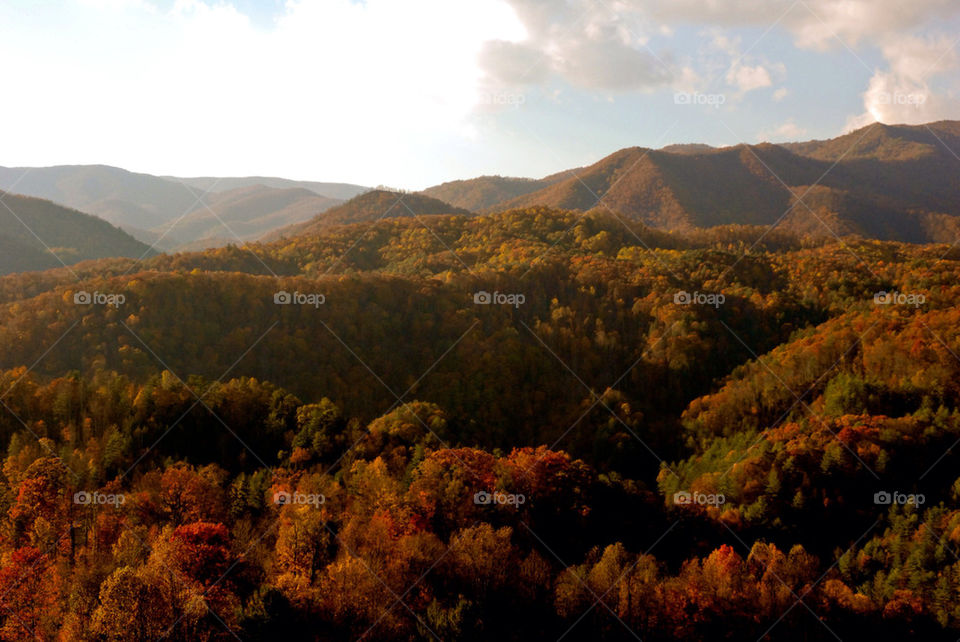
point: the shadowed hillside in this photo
(123, 198)
(887, 182)
(142, 202)
(36, 234)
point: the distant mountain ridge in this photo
(890, 182)
(36, 234)
(243, 214)
(893, 182)
(127, 199)
(140, 202)
(341, 191)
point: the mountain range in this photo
(175, 210)
(887, 182)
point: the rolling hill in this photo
(36, 235)
(126, 199)
(142, 202)
(244, 213)
(368, 207)
(884, 142)
(484, 193)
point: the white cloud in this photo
(555, 28)
(588, 43)
(337, 90)
(903, 94)
(822, 22)
(746, 78)
(813, 23)
(740, 74)
(573, 38)
(380, 90)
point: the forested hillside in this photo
(534, 424)
(140, 202)
(889, 182)
(37, 235)
(128, 199)
(484, 193)
(369, 207)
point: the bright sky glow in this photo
(410, 93)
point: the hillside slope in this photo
(245, 213)
(484, 193)
(123, 198)
(141, 202)
(36, 234)
(368, 207)
(885, 182)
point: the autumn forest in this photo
(536, 424)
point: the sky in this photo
(411, 93)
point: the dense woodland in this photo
(36, 235)
(187, 416)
